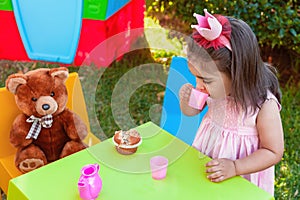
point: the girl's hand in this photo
(184, 96)
(185, 93)
(220, 169)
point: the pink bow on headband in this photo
(214, 31)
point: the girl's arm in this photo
(270, 152)
(271, 148)
(184, 95)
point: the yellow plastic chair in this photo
(9, 111)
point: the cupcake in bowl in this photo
(127, 142)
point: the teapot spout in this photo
(84, 191)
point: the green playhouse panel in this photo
(101, 9)
(95, 9)
(6, 5)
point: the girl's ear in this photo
(14, 80)
(61, 72)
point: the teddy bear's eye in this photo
(34, 99)
(52, 94)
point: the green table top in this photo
(128, 176)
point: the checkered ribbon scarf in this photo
(38, 123)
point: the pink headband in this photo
(214, 31)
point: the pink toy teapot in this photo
(90, 183)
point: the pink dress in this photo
(225, 134)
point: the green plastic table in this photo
(128, 176)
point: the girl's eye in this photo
(52, 94)
(206, 82)
(34, 99)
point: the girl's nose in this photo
(201, 86)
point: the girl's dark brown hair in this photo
(251, 77)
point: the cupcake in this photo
(127, 142)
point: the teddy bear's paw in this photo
(30, 164)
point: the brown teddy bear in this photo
(46, 130)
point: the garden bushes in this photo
(275, 23)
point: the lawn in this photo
(143, 85)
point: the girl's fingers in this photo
(185, 92)
(213, 169)
(220, 169)
(215, 175)
(219, 179)
(212, 163)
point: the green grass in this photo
(288, 170)
(135, 111)
(144, 99)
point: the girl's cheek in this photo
(217, 93)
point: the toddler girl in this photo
(242, 129)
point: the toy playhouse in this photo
(67, 31)
(64, 32)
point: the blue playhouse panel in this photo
(172, 119)
(114, 6)
(49, 29)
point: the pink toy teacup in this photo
(197, 99)
(159, 166)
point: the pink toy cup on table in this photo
(159, 165)
(197, 99)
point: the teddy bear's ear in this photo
(14, 80)
(61, 72)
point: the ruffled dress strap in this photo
(270, 96)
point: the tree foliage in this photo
(276, 23)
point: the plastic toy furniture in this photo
(92, 9)
(103, 41)
(11, 45)
(8, 113)
(114, 6)
(5, 5)
(102, 9)
(172, 119)
(122, 176)
(69, 31)
(93, 46)
(49, 29)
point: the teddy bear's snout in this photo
(46, 105)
